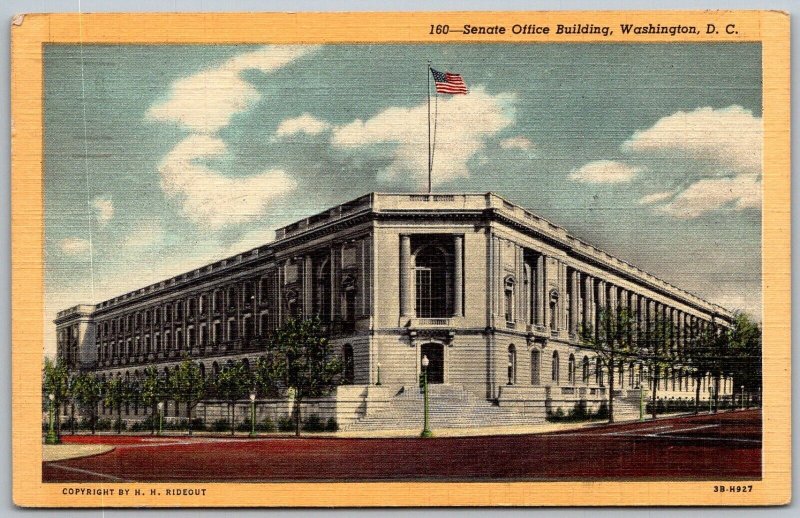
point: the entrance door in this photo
(435, 354)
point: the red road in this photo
(724, 446)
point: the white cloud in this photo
(731, 137)
(305, 123)
(103, 209)
(211, 198)
(74, 245)
(518, 142)
(604, 171)
(205, 102)
(145, 235)
(465, 122)
(656, 197)
(741, 192)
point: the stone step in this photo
(449, 407)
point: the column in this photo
(541, 298)
(458, 279)
(308, 303)
(564, 289)
(520, 297)
(573, 299)
(587, 300)
(634, 315)
(600, 303)
(612, 300)
(406, 308)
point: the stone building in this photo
(492, 294)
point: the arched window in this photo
(553, 311)
(631, 375)
(555, 368)
(348, 364)
(598, 372)
(512, 364)
(621, 370)
(535, 367)
(571, 370)
(434, 300)
(509, 299)
(586, 369)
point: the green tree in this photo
(654, 350)
(88, 391)
(267, 376)
(303, 363)
(233, 384)
(153, 389)
(56, 382)
(698, 354)
(187, 385)
(611, 340)
(117, 394)
(744, 358)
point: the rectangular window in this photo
(217, 332)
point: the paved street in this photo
(719, 447)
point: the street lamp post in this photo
(426, 432)
(252, 414)
(742, 391)
(378, 382)
(51, 438)
(641, 394)
(160, 416)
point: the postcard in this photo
(401, 259)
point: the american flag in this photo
(447, 83)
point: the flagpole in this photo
(430, 165)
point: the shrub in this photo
(579, 411)
(267, 425)
(103, 425)
(221, 425)
(313, 424)
(602, 412)
(331, 425)
(285, 424)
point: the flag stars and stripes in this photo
(448, 83)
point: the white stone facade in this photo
(493, 295)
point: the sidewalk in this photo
(53, 452)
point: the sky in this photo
(159, 159)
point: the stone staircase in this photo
(626, 406)
(449, 407)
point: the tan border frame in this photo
(30, 32)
